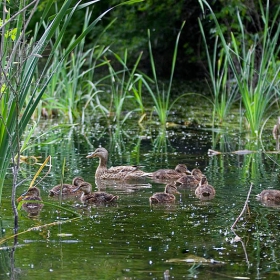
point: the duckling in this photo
(205, 191)
(170, 174)
(32, 208)
(67, 189)
(276, 129)
(77, 181)
(95, 197)
(117, 172)
(165, 197)
(192, 180)
(269, 197)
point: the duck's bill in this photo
(90, 155)
(75, 190)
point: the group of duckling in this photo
(178, 177)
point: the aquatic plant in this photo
(253, 66)
(223, 89)
(71, 88)
(122, 86)
(20, 88)
(161, 98)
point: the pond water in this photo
(132, 240)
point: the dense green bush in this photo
(164, 18)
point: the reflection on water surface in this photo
(133, 240)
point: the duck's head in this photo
(203, 180)
(171, 189)
(77, 181)
(99, 152)
(182, 168)
(197, 173)
(33, 191)
(84, 187)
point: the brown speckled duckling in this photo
(270, 197)
(67, 189)
(204, 190)
(95, 197)
(117, 172)
(170, 174)
(190, 181)
(165, 197)
(32, 194)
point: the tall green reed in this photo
(254, 66)
(68, 92)
(224, 90)
(161, 99)
(122, 86)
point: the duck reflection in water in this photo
(270, 198)
(32, 207)
(121, 186)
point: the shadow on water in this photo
(133, 240)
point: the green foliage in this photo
(253, 66)
(21, 86)
(161, 99)
(164, 18)
(122, 84)
(224, 90)
(64, 94)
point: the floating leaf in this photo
(192, 259)
(64, 234)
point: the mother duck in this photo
(117, 172)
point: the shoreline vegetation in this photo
(243, 72)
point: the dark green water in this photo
(131, 240)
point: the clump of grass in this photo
(223, 89)
(253, 66)
(71, 88)
(161, 98)
(21, 88)
(122, 87)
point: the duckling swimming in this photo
(165, 197)
(170, 174)
(95, 197)
(205, 191)
(117, 172)
(67, 189)
(190, 181)
(269, 197)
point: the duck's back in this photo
(187, 181)
(205, 190)
(65, 189)
(162, 198)
(167, 174)
(99, 197)
(121, 172)
(270, 195)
